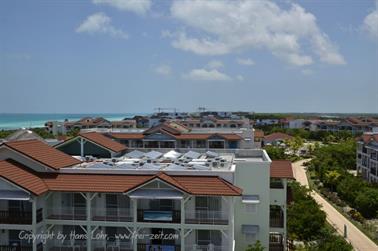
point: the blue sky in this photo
(132, 56)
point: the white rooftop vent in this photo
(211, 154)
(135, 154)
(192, 155)
(172, 155)
(153, 155)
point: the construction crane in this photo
(161, 109)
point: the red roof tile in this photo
(127, 135)
(277, 136)
(42, 153)
(281, 169)
(94, 182)
(22, 177)
(39, 183)
(103, 141)
(207, 185)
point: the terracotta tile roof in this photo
(281, 169)
(95, 182)
(21, 176)
(42, 153)
(207, 185)
(39, 183)
(103, 141)
(198, 136)
(230, 136)
(367, 138)
(126, 135)
(277, 136)
(259, 133)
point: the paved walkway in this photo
(359, 240)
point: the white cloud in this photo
(245, 61)
(164, 70)
(240, 77)
(137, 6)
(371, 22)
(234, 26)
(206, 75)
(215, 64)
(100, 23)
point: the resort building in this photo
(174, 135)
(276, 138)
(195, 199)
(367, 156)
(58, 127)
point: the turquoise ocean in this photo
(18, 120)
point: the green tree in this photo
(332, 178)
(305, 219)
(255, 247)
(366, 202)
(295, 144)
(275, 152)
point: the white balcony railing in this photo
(66, 213)
(206, 217)
(112, 214)
(67, 245)
(210, 247)
(117, 245)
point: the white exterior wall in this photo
(253, 178)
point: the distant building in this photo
(276, 138)
(367, 156)
(353, 125)
(58, 127)
(175, 135)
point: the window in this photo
(276, 183)
(250, 238)
(206, 237)
(208, 203)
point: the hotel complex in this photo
(367, 156)
(218, 199)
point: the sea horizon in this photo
(13, 121)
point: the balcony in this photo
(209, 247)
(67, 245)
(206, 217)
(15, 217)
(163, 216)
(276, 247)
(66, 213)
(112, 214)
(276, 217)
(164, 247)
(112, 245)
(16, 248)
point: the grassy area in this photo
(368, 231)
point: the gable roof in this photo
(368, 137)
(207, 185)
(23, 134)
(42, 153)
(39, 183)
(117, 135)
(18, 174)
(103, 141)
(281, 169)
(259, 133)
(277, 136)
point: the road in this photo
(359, 240)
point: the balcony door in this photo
(208, 204)
(207, 237)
